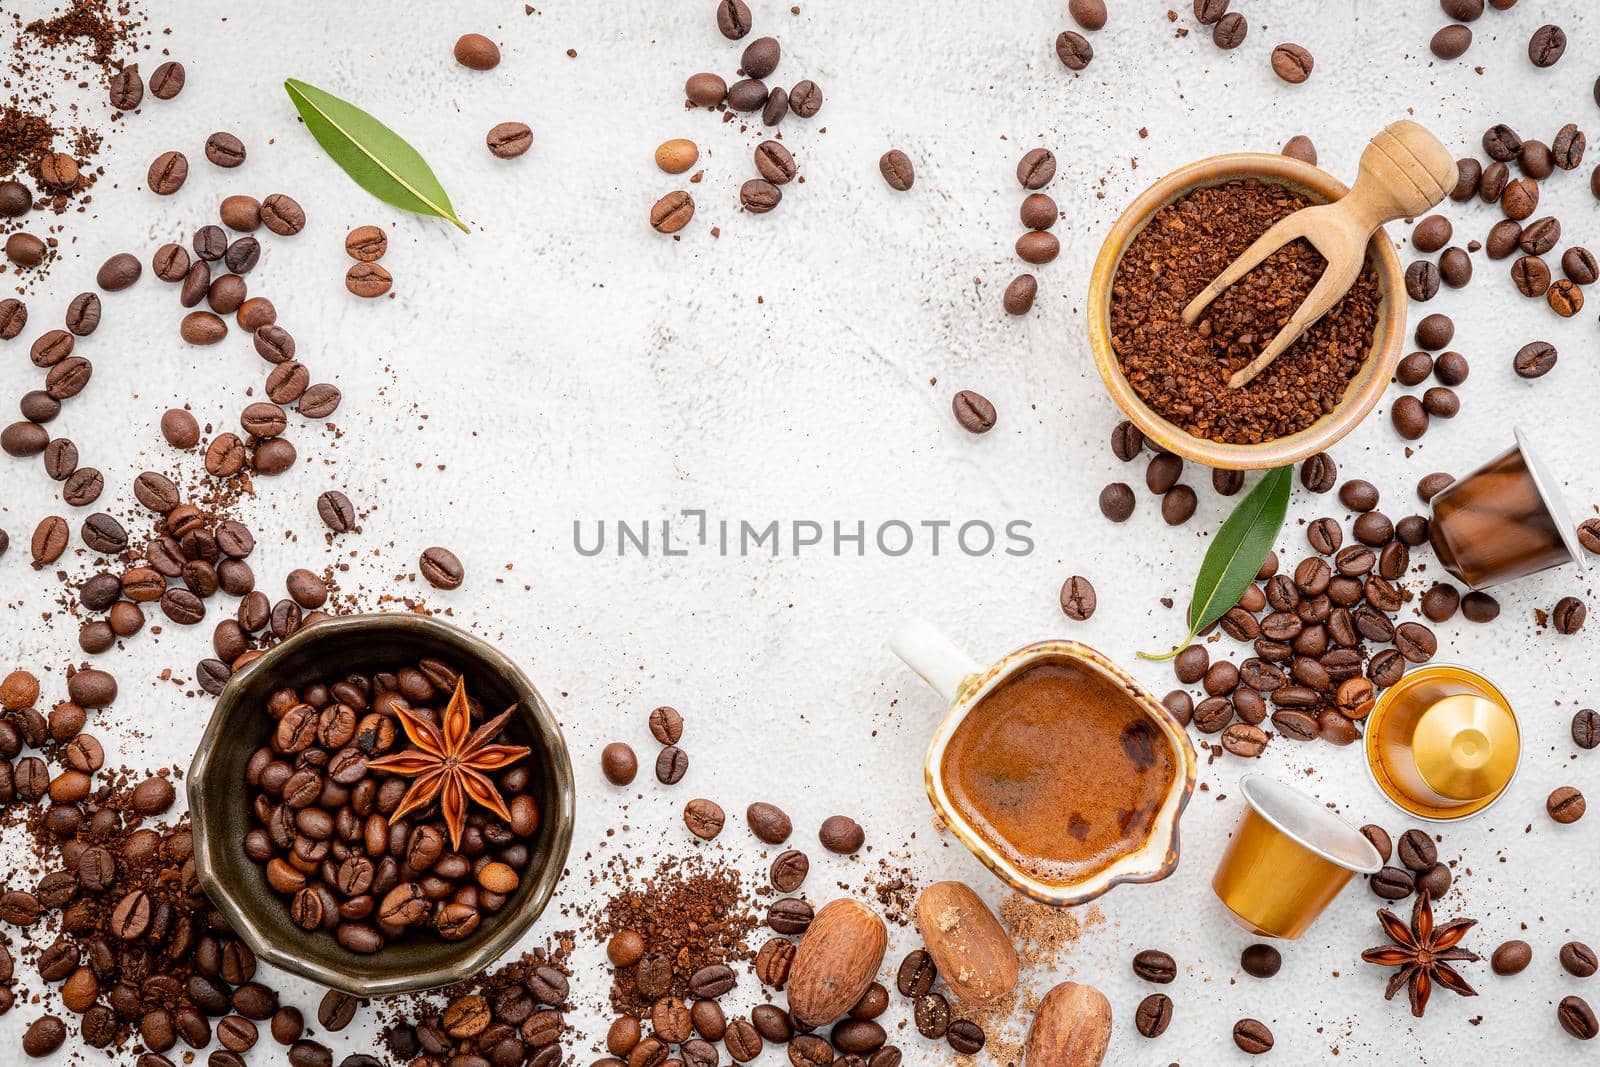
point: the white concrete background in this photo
(565, 362)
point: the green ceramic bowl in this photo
(240, 724)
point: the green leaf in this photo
(1236, 554)
(379, 160)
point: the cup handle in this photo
(926, 650)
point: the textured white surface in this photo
(564, 362)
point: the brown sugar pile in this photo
(692, 911)
(1182, 371)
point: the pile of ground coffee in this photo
(690, 913)
(1182, 371)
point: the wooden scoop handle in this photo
(1404, 172)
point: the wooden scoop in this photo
(1404, 172)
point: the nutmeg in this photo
(835, 962)
(972, 950)
(1071, 1028)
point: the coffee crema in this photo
(1059, 770)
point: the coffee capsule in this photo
(1288, 859)
(1502, 521)
(1443, 743)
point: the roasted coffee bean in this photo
(1078, 599)
(1252, 1036)
(1586, 728)
(1565, 804)
(1260, 961)
(733, 18)
(1153, 965)
(1392, 883)
(1244, 740)
(1578, 959)
(1546, 46)
(441, 568)
(508, 140)
(1417, 850)
(931, 1013)
(1530, 275)
(704, 818)
(167, 173)
(973, 412)
(1422, 281)
(1511, 957)
(666, 725)
(1431, 234)
(1579, 265)
(1534, 359)
(1574, 1014)
(1178, 505)
(1190, 665)
(773, 962)
(789, 870)
(1521, 198)
(242, 255)
(916, 974)
(1230, 31)
(1038, 247)
(1319, 474)
(1127, 441)
(1019, 294)
(283, 215)
(1564, 298)
(1501, 143)
(1074, 50)
(1479, 607)
(1153, 1015)
(1292, 63)
(965, 1036)
(842, 835)
(1036, 168)
(26, 250)
(1227, 482)
(1535, 160)
(1441, 403)
(671, 765)
(225, 150)
(618, 763)
(768, 822)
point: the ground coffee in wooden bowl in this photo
(1182, 371)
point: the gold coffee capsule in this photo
(1443, 743)
(1502, 521)
(1288, 859)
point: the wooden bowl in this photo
(239, 725)
(1364, 389)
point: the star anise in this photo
(1424, 953)
(449, 762)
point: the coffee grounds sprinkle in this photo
(694, 910)
(1181, 371)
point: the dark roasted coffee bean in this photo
(1074, 50)
(1260, 961)
(1580, 266)
(789, 870)
(1586, 728)
(1417, 850)
(167, 173)
(1546, 46)
(973, 412)
(1511, 957)
(1578, 959)
(1153, 1015)
(842, 835)
(1230, 31)
(441, 568)
(225, 150)
(1319, 474)
(1440, 602)
(1422, 281)
(1521, 198)
(1577, 1018)
(1534, 359)
(965, 1036)
(1036, 168)
(916, 974)
(1153, 965)
(671, 765)
(1252, 1036)
(127, 88)
(1501, 143)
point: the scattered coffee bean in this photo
(1077, 598)
(1511, 957)
(1565, 805)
